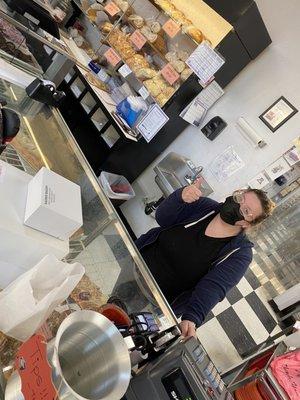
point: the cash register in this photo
(183, 371)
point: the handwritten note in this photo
(34, 370)
(171, 28)
(138, 39)
(112, 9)
(169, 73)
(112, 57)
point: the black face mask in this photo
(230, 211)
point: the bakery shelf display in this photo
(153, 37)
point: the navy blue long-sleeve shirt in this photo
(225, 272)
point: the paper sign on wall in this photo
(205, 62)
(171, 28)
(259, 182)
(169, 73)
(112, 57)
(278, 168)
(152, 122)
(112, 9)
(138, 39)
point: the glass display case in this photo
(113, 265)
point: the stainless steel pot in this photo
(89, 357)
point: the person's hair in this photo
(267, 205)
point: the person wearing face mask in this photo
(200, 250)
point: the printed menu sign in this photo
(171, 28)
(152, 122)
(112, 9)
(138, 39)
(169, 73)
(205, 62)
(112, 57)
(34, 370)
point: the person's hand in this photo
(188, 328)
(192, 192)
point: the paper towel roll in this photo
(250, 134)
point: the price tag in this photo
(112, 57)
(171, 28)
(144, 92)
(124, 70)
(34, 370)
(169, 73)
(112, 8)
(152, 122)
(138, 39)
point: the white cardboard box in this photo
(53, 205)
(21, 247)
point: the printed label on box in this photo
(171, 28)
(112, 8)
(138, 39)
(169, 73)
(34, 370)
(112, 57)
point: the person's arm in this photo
(212, 288)
(180, 205)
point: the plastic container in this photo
(116, 186)
(131, 108)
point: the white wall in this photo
(274, 73)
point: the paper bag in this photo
(29, 300)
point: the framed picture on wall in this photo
(278, 113)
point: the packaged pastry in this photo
(155, 27)
(149, 35)
(122, 4)
(185, 74)
(182, 55)
(169, 91)
(153, 87)
(161, 99)
(171, 56)
(137, 62)
(178, 16)
(106, 27)
(146, 73)
(178, 65)
(194, 33)
(160, 43)
(136, 20)
(165, 5)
